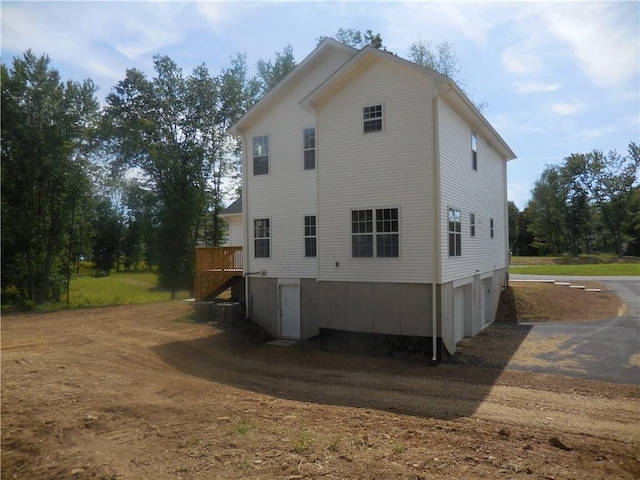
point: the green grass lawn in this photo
(587, 265)
(116, 289)
(570, 260)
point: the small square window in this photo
(372, 117)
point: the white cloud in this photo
(601, 38)
(593, 133)
(406, 22)
(604, 37)
(521, 87)
(521, 59)
(566, 109)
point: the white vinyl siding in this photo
(369, 171)
(479, 192)
(289, 191)
(235, 231)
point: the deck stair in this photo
(215, 268)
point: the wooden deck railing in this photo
(214, 267)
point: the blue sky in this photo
(559, 78)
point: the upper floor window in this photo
(261, 236)
(309, 148)
(455, 233)
(380, 236)
(261, 155)
(472, 224)
(310, 237)
(491, 227)
(474, 150)
(372, 117)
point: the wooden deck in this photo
(215, 266)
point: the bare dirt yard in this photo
(137, 392)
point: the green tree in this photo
(46, 128)
(270, 74)
(514, 220)
(172, 129)
(106, 236)
(631, 228)
(577, 208)
(142, 209)
(441, 58)
(611, 179)
(548, 211)
(523, 244)
(356, 39)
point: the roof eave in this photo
(448, 89)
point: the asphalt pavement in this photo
(607, 349)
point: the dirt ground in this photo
(549, 302)
(137, 392)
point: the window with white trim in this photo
(309, 146)
(474, 151)
(387, 236)
(491, 227)
(372, 117)
(261, 235)
(455, 233)
(261, 155)
(310, 236)
(379, 238)
(472, 224)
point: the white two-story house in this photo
(374, 200)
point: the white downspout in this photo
(436, 219)
(245, 221)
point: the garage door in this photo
(458, 309)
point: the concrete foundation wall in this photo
(262, 303)
(381, 308)
(309, 308)
(389, 308)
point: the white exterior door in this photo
(458, 312)
(290, 311)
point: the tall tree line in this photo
(140, 180)
(589, 203)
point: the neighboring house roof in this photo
(447, 88)
(234, 209)
(274, 93)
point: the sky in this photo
(559, 77)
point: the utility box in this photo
(228, 312)
(204, 312)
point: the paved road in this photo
(604, 350)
